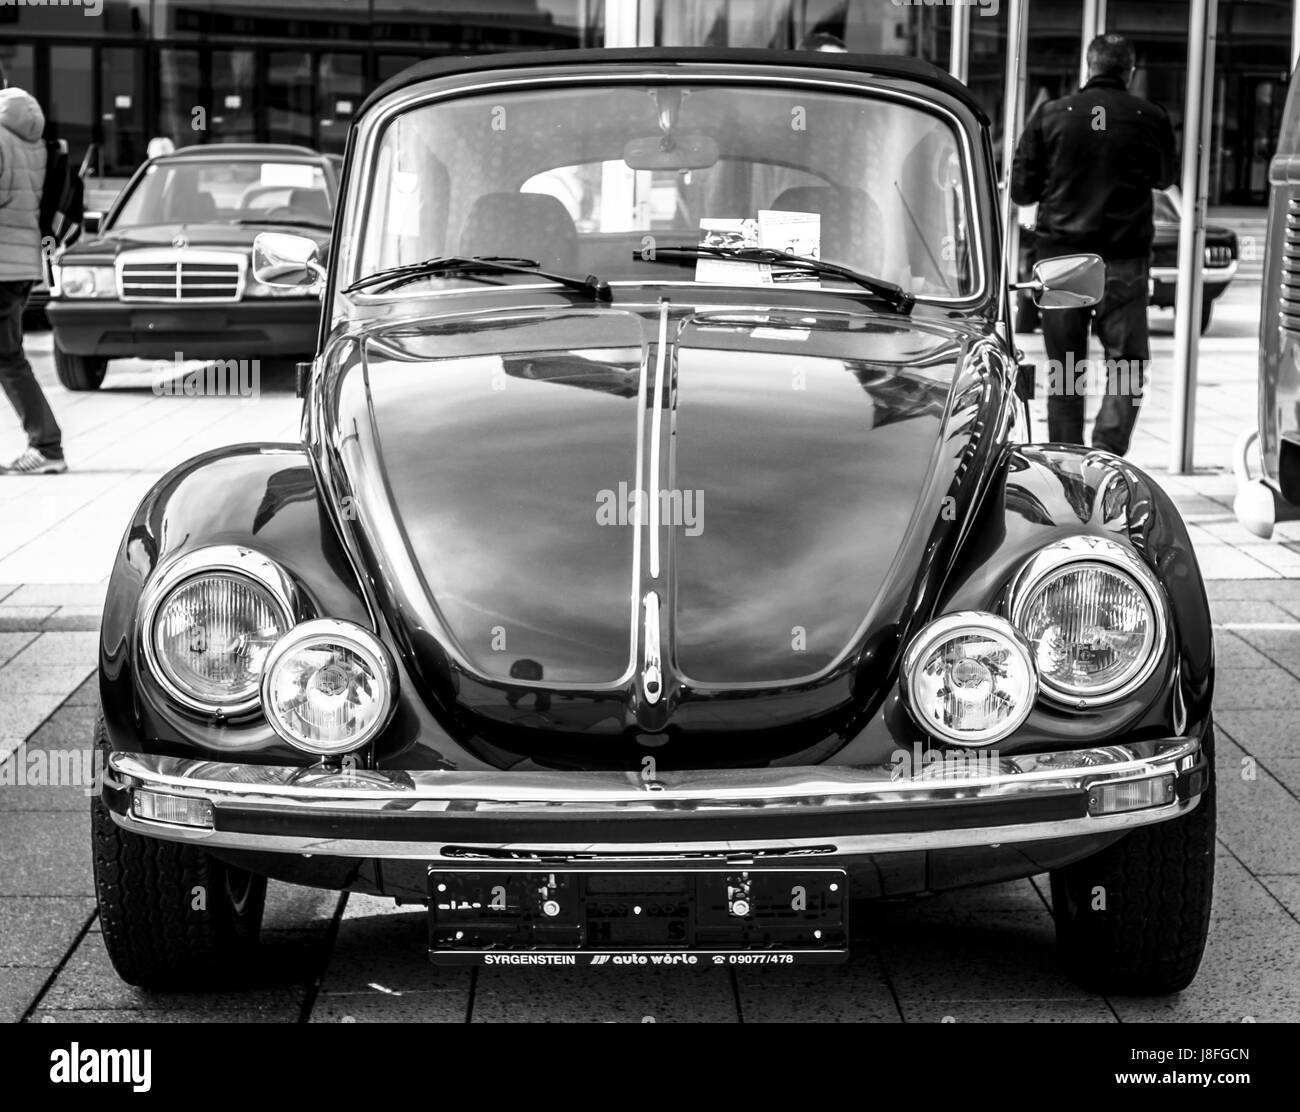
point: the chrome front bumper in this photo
(446, 816)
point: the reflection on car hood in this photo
(794, 453)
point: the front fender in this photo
(261, 496)
(1042, 495)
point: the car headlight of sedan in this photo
(209, 622)
(1095, 616)
(969, 678)
(85, 281)
(328, 687)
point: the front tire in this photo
(79, 372)
(173, 916)
(1133, 919)
(1207, 315)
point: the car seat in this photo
(526, 225)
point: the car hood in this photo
(227, 236)
(761, 482)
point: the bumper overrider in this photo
(965, 799)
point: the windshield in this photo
(209, 191)
(593, 179)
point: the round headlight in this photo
(208, 639)
(328, 687)
(969, 678)
(1093, 614)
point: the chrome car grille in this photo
(180, 275)
(1289, 301)
(1218, 254)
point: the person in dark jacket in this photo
(22, 176)
(1090, 161)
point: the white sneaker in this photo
(33, 462)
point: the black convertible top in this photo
(881, 65)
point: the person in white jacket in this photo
(22, 176)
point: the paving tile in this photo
(1258, 819)
(72, 726)
(1283, 592)
(949, 949)
(1251, 965)
(39, 930)
(1287, 771)
(408, 1007)
(1010, 1011)
(19, 987)
(1286, 890)
(60, 649)
(294, 907)
(46, 853)
(11, 644)
(1230, 563)
(74, 618)
(381, 947)
(41, 679)
(23, 714)
(198, 1012)
(855, 993)
(87, 982)
(24, 617)
(608, 994)
(59, 594)
(1233, 651)
(1250, 610)
(1268, 735)
(1255, 688)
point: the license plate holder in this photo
(699, 918)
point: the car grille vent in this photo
(1289, 301)
(180, 276)
(1218, 254)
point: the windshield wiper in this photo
(895, 296)
(591, 286)
(287, 223)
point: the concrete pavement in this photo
(985, 955)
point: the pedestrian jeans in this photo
(20, 385)
(1120, 322)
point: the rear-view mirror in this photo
(671, 152)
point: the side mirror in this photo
(90, 223)
(1070, 282)
(287, 262)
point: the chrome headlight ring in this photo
(954, 628)
(371, 659)
(232, 560)
(1077, 553)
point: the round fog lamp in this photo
(969, 678)
(328, 687)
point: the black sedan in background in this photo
(1219, 265)
(168, 274)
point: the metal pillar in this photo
(1094, 24)
(959, 53)
(1295, 35)
(622, 23)
(1197, 117)
(1013, 118)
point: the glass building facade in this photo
(115, 73)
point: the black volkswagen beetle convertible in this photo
(666, 567)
